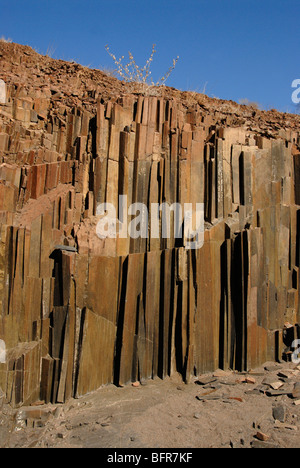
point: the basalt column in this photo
(78, 311)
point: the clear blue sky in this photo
(236, 48)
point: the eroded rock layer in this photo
(78, 312)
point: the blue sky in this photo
(233, 49)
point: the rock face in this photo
(78, 312)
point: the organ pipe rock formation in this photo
(78, 312)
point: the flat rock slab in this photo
(279, 413)
(206, 380)
(275, 393)
(209, 397)
(276, 385)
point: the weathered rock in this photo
(276, 393)
(284, 375)
(246, 380)
(276, 385)
(250, 380)
(261, 436)
(296, 390)
(279, 413)
(209, 397)
(204, 380)
(78, 312)
(220, 373)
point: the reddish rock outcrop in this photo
(78, 312)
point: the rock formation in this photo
(78, 312)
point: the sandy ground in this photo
(225, 410)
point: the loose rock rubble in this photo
(217, 410)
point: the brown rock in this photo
(261, 436)
(118, 310)
(296, 390)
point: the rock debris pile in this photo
(255, 409)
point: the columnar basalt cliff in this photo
(78, 312)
